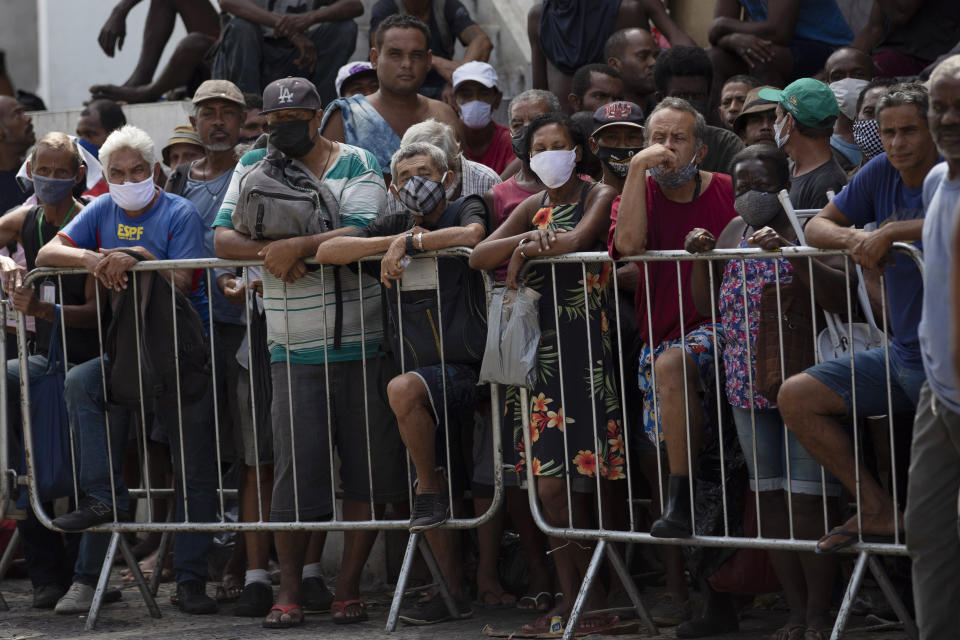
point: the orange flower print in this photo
(558, 419)
(614, 471)
(538, 419)
(536, 466)
(586, 463)
(593, 282)
(543, 217)
(616, 443)
(540, 402)
(604, 323)
(613, 427)
(535, 429)
(605, 274)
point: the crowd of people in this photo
(633, 139)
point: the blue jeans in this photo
(871, 380)
(773, 453)
(87, 413)
(49, 555)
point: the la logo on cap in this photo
(285, 97)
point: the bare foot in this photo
(871, 525)
(118, 93)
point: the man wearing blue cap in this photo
(806, 113)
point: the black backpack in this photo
(462, 311)
(156, 370)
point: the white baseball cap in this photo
(349, 70)
(478, 72)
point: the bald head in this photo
(848, 62)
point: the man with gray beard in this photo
(220, 111)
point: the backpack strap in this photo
(178, 179)
(454, 208)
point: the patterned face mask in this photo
(867, 135)
(678, 178)
(617, 159)
(421, 195)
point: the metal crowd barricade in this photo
(156, 522)
(867, 553)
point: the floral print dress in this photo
(759, 272)
(584, 394)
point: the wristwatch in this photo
(410, 246)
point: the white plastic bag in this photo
(513, 335)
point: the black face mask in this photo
(292, 138)
(516, 140)
(617, 159)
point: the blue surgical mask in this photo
(89, 146)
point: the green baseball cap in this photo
(810, 101)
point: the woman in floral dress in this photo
(574, 408)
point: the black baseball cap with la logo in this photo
(290, 93)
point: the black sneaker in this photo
(315, 595)
(47, 595)
(429, 511)
(192, 598)
(89, 513)
(255, 600)
(434, 610)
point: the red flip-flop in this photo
(285, 610)
(341, 608)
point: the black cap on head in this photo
(290, 93)
(618, 113)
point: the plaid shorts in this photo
(700, 345)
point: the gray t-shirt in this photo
(941, 198)
(208, 197)
(809, 191)
(722, 146)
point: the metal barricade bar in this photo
(177, 408)
(604, 536)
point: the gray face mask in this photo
(675, 179)
(757, 208)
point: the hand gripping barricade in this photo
(867, 554)
(175, 421)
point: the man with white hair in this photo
(137, 218)
(931, 517)
(469, 177)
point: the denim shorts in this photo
(770, 471)
(871, 381)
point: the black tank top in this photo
(82, 344)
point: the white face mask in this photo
(777, 129)
(475, 114)
(132, 196)
(554, 167)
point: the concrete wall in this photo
(70, 60)
(157, 119)
(18, 37)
